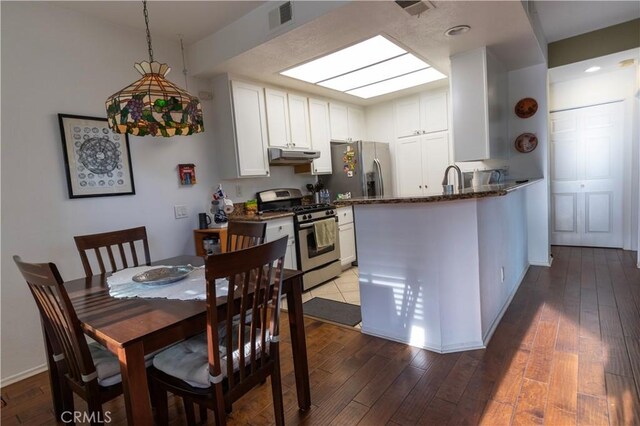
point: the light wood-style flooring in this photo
(566, 352)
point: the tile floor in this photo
(343, 289)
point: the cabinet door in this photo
(409, 166)
(277, 118)
(299, 121)
(339, 122)
(320, 135)
(347, 244)
(435, 112)
(435, 159)
(408, 116)
(251, 129)
(290, 261)
(355, 122)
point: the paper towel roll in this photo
(227, 206)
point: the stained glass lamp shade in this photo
(154, 106)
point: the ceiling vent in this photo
(414, 8)
(280, 15)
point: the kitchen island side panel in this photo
(418, 266)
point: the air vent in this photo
(414, 8)
(280, 15)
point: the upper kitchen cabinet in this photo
(347, 123)
(320, 135)
(240, 129)
(479, 100)
(287, 119)
(422, 114)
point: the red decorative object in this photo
(526, 142)
(526, 107)
(187, 174)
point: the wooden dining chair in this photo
(89, 370)
(214, 372)
(241, 235)
(106, 241)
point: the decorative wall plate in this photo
(164, 275)
(526, 107)
(526, 142)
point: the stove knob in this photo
(305, 217)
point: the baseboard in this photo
(459, 347)
(23, 375)
(545, 264)
(496, 321)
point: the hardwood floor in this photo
(566, 352)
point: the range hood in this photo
(289, 156)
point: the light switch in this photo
(180, 211)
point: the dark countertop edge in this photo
(490, 192)
(259, 217)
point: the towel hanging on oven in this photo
(325, 233)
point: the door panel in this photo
(408, 116)
(277, 117)
(409, 166)
(435, 150)
(587, 170)
(299, 121)
(320, 136)
(251, 129)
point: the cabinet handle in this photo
(420, 186)
(280, 228)
(425, 187)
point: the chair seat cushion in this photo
(107, 364)
(189, 362)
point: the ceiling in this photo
(606, 63)
(563, 19)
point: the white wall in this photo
(604, 87)
(532, 82)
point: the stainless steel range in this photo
(318, 264)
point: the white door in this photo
(320, 135)
(409, 166)
(277, 118)
(355, 122)
(339, 122)
(408, 116)
(435, 113)
(586, 176)
(347, 244)
(251, 129)
(299, 121)
(435, 152)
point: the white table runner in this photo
(121, 285)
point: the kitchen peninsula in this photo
(438, 271)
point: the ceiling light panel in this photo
(399, 83)
(382, 71)
(368, 52)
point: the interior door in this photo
(586, 176)
(409, 166)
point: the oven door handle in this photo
(309, 225)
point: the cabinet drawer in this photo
(279, 228)
(345, 215)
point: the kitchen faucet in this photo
(445, 181)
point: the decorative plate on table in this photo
(526, 142)
(164, 275)
(526, 107)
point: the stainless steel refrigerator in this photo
(361, 168)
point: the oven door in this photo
(310, 256)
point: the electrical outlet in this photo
(502, 274)
(180, 211)
(238, 190)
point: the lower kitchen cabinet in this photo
(277, 229)
(347, 235)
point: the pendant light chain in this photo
(146, 22)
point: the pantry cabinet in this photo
(422, 114)
(320, 135)
(420, 163)
(347, 123)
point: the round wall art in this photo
(526, 107)
(526, 142)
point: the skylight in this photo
(370, 68)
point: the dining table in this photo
(132, 328)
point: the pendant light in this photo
(153, 105)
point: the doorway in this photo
(587, 176)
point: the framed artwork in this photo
(96, 159)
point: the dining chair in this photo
(212, 371)
(241, 235)
(105, 241)
(89, 370)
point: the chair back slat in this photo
(254, 289)
(107, 240)
(59, 318)
(242, 235)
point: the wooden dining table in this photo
(134, 327)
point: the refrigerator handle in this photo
(379, 167)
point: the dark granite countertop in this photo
(483, 191)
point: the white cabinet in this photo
(320, 135)
(279, 228)
(422, 114)
(347, 236)
(480, 109)
(347, 123)
(287, 119)
(240, 129)
(421, 161)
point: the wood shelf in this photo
(200, 234)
